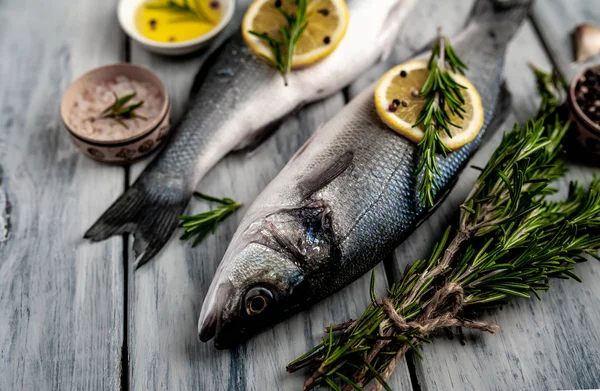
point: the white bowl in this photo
(126, 14)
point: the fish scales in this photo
(236, 97)
(344, 201)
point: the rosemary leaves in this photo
(444, 98)
(184, 11)
(284, 47)
(201, 224)
(120, 111)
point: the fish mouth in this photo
(209, 323)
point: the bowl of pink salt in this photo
(116, 114)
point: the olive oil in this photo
(177, 20)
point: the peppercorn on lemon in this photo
(327, 25)
(399, 103)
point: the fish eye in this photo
(257, 300)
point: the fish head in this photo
(254, 291)
(274, 269)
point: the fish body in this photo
(344, 201)
(236, 97)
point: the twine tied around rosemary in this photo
(442, 311)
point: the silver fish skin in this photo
(236, 97)
(344, 201)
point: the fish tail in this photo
(503, 17)
(149, 210)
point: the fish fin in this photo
(502, 17)
(149, 210)
(316, 182)
(503, 108)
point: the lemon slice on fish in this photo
(399, 103)
(327, 25)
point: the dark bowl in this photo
(585, 132)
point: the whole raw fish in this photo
(344, 201)
(239, 97)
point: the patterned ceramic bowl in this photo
(584, 131)
(128, 149)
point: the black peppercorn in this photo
(394, 105)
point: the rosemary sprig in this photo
(552, 88)
(444, 98)
(201, 224)
(283, 48)
(120, 112)
(187, 11)
(510, 242)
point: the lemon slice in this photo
(327, 25)
(399, 103)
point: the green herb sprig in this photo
(552, 88)
(201, 224)
(120, 112)
(509, 243)
(186, 11)
(284, 47)
(444, 98)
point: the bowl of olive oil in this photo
(174, 27)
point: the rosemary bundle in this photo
(283, 48)
(510, 241)
(444, 98)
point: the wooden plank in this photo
(61, 298)
(555, 20)
(165, 296)
(553, 344)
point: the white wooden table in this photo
(74, 315)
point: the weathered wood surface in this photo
(61, 299)
(553, 344)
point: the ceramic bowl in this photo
(121, 151)
(585, 132)
(126, 14)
